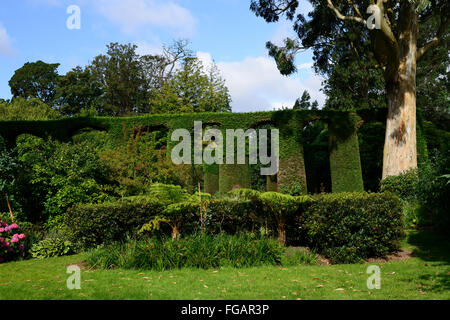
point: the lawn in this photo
(425, 276)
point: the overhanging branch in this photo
(436, 39)
(340, 16)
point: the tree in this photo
(433, 80)
(192, 89)
(77, 90)
(35, 80)
(304, 103)
(119, 75)
(127, 80)
(393, 48)
(23, 109)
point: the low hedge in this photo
(350, 227)
(345, 227)
(93, 224)
(403, 185)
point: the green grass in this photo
(426, 276)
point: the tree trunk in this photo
(400, 149)
(9, 207)
(281, 233)
(175, 234)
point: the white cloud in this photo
(5, 42)
(145, 48)
(132, 15)
(255, 84)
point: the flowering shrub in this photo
(10, 242)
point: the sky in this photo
(223, 31)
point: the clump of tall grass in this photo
(198, 251)
(299, 256)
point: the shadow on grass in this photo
(430, 246)
(434, 248)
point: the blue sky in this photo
(225, 31)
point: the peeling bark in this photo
(400, 150)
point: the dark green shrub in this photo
(168, 193)
(403, 185)
(51, 247)
(198, 251)
(433, 192)
(349, 227)
(232, 215)
(279, 206)
(93, 224)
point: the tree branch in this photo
(340, 16)
(436, 39)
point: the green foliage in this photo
(60, 175)
(433, 192)
(51, 247)
(304, 103)
(141, 161)
(153, 225)
(350, 227)
(403, 185)
(9, 169)
(168, 194)
(93, 224)
(77, 91)
(438, 141)
(298, 256)
(199, 251)
(35, 80)
(246, 194)
(371, 137)
(26, 109)
(192, 89)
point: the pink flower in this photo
(15, 238)
(13, 226)
(2, 230)
(21, 236)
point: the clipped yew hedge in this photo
(350, 227)
(94, 224)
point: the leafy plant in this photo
(403, 185)
(198, 251)
(51, 247)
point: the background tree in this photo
(304, 103)
(393, 49)
(192, 89)
(35, 80)
(23, 109)
(78, 90)
(119, 74)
